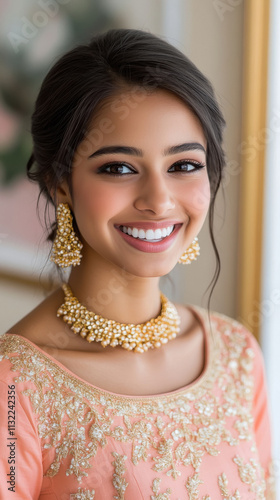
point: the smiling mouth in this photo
(150, 235)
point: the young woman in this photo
(113, 391)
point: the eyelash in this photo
(103, 168)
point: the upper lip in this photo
(150, 225)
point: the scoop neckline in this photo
(208, 351)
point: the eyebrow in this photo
(128, 150)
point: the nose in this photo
(154, 196)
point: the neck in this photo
(115, 294)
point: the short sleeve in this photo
(262, 426)
(20, 452)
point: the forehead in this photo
(135, 114)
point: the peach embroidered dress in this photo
(209, 440)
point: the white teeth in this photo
(135, 232)
(141, 234)
(157, 234)
(149, 234)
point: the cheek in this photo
(94, 204)
(197, 196)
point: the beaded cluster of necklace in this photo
(138, 338)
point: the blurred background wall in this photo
(33, 35)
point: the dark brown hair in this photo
(84, 77)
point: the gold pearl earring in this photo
(67, 247)
(191, 253)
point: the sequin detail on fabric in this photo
(83, 495)
(192, 485)
(119, 481)
(248, 473)
(223, 484)
(156, 490)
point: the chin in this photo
(150, 270)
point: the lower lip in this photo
(146, 246)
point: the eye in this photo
(116, 168)
(187, 166)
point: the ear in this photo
(62, 194)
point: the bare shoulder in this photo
(42, 320)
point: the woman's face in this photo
(140, 185)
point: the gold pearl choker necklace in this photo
(138, 338)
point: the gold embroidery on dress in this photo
(175, 430)
(158, 495)
(119, 482)
(165, 459)
(192, 486)
(83, 495)
(249, 474)
(223, 484)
